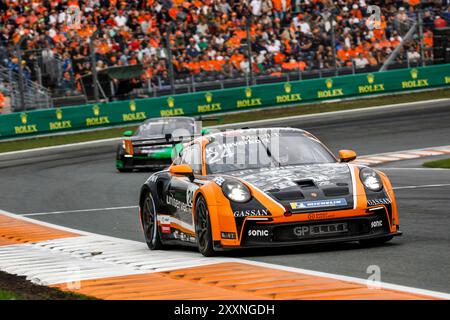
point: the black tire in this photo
(203, 228)
(124, 170)
(150, 225)
(376, 241)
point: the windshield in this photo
(263, 148)
(176, 127)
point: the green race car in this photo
(151, 146)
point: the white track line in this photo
(424, 186)
(77, 211)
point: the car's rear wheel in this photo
(203, 228)
(150, 225)
(124, 169)
(376, 241)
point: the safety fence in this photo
(216, 101)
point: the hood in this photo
(304, 187)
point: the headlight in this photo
(371, 179)
(236, 191)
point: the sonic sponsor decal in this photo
(249, 101)
(415, 82)
(330, 92)
(97, 120)
(376, 202)
(133, 116)
(376, 224)
(210, 106)
(289, 96)
(25, 127)
(60, 123)
(371, 86)
(258, 233)
(318, 203)
(250, 213)
(172, 111)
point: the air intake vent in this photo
(335, 191)
(306, 183)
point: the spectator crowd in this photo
(210, 36)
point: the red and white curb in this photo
(381, 158)
(104, 264)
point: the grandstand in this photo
(144, 48)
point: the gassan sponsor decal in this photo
(251, 213)
(376, 202)
(318, 203)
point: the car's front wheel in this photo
(203, 228)
(150, 225)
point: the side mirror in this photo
(128, 133)
(182, 170)
(347, 155)
(204, 132)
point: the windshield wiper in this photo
(269, 153)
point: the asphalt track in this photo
(84, 178)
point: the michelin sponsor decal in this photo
(319, 203)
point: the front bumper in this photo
(258, 234)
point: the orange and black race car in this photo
(262, 188)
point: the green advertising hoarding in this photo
(236, 99)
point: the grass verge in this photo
(18, 288)
(442, 164)
(232, 118)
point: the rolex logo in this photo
(96, 110)
(171, 102)
(58, 113)
(414, 73)
(248, 92)
(132, 106)
(329, 83)
(287, 87)
(370, 78)
(23, 118)
(208, 97)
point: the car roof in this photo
(168, 118)
(251, 131)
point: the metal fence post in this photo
(420, 22)
(249, 49)
(94, 65)
(169, 57)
